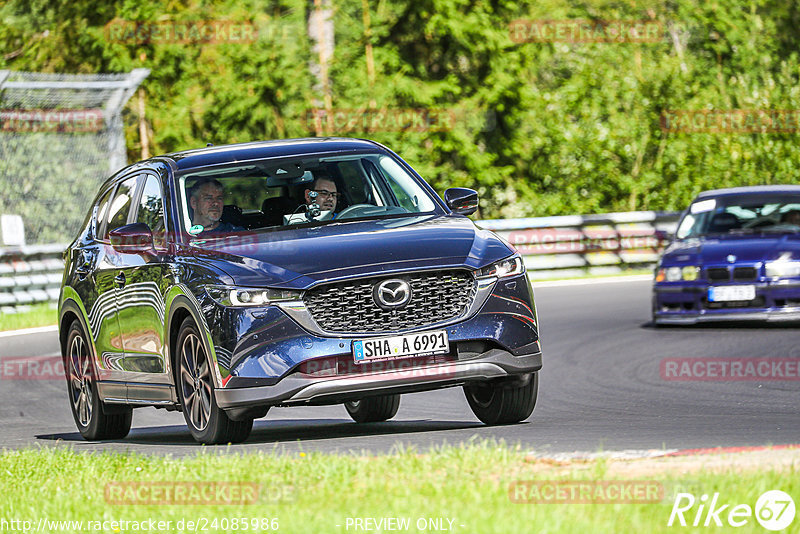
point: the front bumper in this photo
(254, 347)
(299, 390)
(687, 303)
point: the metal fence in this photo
(61, 135)
(552, 247)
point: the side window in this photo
(120, 206)
(102, 211)
(151, 210)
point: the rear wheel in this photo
(373, 409)
(207, 422)
(503, 403)
(88, 409)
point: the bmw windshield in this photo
(740, 214)
(295, 192)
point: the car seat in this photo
(723, 222)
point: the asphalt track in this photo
(600, 389)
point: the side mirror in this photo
(136, 238)
(664, 237)
(461, 200)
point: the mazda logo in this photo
(392, 293)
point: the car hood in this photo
(299, 258)
(717, 249)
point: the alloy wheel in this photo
(80, 381)
(195, 382)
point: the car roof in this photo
(749, 190)
(213, 155)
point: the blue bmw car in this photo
(227, 280)
(735, 256)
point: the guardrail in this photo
(576, 245)
(552, 247)
(29, 275)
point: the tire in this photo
(207, 422)
(499, 404)
(373, 409)
(89, 412)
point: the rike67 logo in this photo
(774, 510)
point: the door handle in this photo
(120, 279)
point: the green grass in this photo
(320, 491)
(35, 315)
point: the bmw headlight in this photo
(508, 267)
(783, 269)
(250, 296)
(688, 273)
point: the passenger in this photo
(206, 197)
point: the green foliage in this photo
(541, 128)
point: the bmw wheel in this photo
(503, 403)
(373, 409)
(94, 419)
(207, 422)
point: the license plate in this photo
(731, 293)
(390, 348)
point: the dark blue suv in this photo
(226, 280)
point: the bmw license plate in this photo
(390, 348)
(731, 293)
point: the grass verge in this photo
(465, 489)
(44, 314)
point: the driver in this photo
(791, 217)
(327, 195)
(206, 197)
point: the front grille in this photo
(744, 274)
(348, 307)
(717, 274)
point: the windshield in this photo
(293, 192)
(740, 214)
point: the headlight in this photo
(783, 269)
(689, 273)
(508, 267)
(249, 296)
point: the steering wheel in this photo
(359, 210)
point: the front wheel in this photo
(207, 422)
(499, 403)
(88, 409)
(373, 409)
